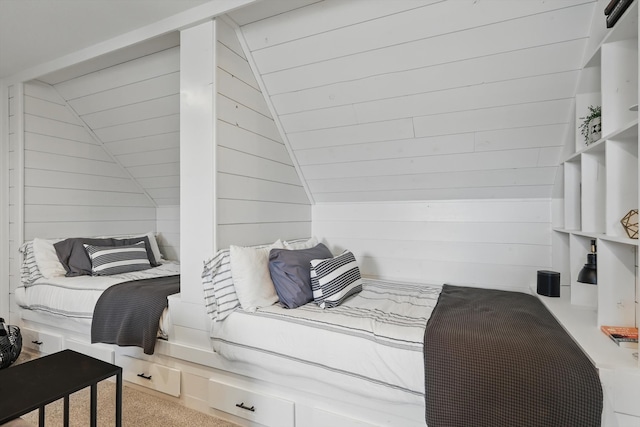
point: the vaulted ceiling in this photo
(421, 100)
(376, 99)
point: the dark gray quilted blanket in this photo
(127, 314)
(497, 358)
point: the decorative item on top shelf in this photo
(614, 11)
(589, 273)
(591, 127)
(630, 223)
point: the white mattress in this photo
(371, 344)
(74, 298)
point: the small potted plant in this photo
(591, 127)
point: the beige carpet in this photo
(139, 409)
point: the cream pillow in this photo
(47, 258)
(251, 277)
(304, 244)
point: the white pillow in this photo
(154, 246)
(251, 277)
(153, 243)
(47, 258)
(301, 243)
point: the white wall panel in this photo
(133, 110)
(244, 187)
(408, 26)
(259, 195)
(144, 68)
(416, 147)
(164, 85)
(54, 145)
(168, 231)
(422, 89)
(448, 47)
(72, 186)
(158, 107)
(498, 244)
(532, 191)
(566, 56)
(513, 116)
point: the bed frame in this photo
(200, 379)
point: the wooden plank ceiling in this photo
(422, 100)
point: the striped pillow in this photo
(29, 271)
(335, 279)
(108, 260)
(219, 291)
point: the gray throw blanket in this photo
(127, 314)
(497, 358)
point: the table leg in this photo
(119, 399)
(94, 404)
(66, 411)
(41, 416)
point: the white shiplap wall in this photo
(487, 243)
(395, 109)
(133, 108)
(71, 185)
(259, 195)
(423, 100)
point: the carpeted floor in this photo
(139, 409)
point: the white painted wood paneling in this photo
(259, 194)
(498, 244)
(168, 231)
(72, 187)
(133, 109)
(423, 92)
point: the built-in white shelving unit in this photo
(600, 188)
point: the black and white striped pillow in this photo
(108, 260)
(335, 279)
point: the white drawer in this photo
(41, 341)
(315, 417)
(98, 351)
(626, 391)
(151, 375)
(262, 408)
(627, 420)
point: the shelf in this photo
(601, 236)
(581, 324)
(626, 28)
(630, 132)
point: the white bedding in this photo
(371, 344)
(74, 298)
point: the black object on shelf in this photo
(548, 283)
(610, 6)
(589, 273)
(617, 11)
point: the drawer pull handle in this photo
(241, 406)
(36, 342)
(144, 376)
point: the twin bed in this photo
(56, 279)
(469, 356)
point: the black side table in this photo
(34, 384)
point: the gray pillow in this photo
(291, 273)
(76, 261)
